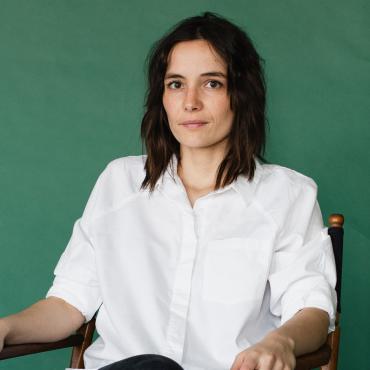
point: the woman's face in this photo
(195, 96)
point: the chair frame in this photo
(325, 357)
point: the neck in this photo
(198, 168)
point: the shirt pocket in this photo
(235, 271)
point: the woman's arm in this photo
(48, 320)
(305, 332)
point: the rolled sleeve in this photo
(85, 299)
(303, 268)
(76, 279)
(75, 275)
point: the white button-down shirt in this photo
(200, 284)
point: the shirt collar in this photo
(246, 188)
(171, 184)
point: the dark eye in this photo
(214, 84)
(174, 85)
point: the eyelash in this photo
(169, 84)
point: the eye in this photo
(174, 85)
(214, 84)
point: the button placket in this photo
(179, 306)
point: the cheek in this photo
(169, 107)
(221, 107)
(170, 110)
(165, 103)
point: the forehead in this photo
(196, 56)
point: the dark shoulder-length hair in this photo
(246, 88)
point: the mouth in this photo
(193, 124)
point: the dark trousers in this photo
(144, 362)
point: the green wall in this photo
(71, 97)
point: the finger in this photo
(278, 365)
(249, 363)
(267, 362)
(237, 362)
(290, 363)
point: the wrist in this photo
(283, 338)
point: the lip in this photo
(193, 123)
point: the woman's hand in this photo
(305, 332)
(274, 352)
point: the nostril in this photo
(190, 107)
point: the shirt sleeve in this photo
(303, 266)
(75, 274)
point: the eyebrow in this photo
(206, 74)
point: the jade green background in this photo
(71, 97)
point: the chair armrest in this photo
(314, 359)
(16, 350)
(304, 362)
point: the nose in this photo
(192, 101)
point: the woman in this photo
(196, 253)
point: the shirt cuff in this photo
(84, 298)
(319, 297)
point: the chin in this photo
(194, 146)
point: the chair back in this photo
(336, 233)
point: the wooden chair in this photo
(326, 357)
